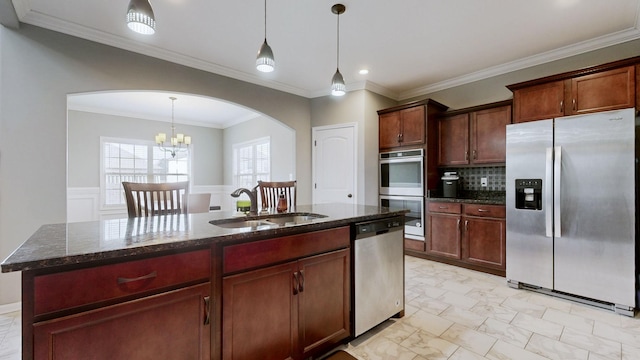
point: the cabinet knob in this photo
(349, 196)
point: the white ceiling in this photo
(410, 47)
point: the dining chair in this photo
(270, 192)
(147, 199)
(197, 203)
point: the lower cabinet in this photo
(484, 242)
(469, 235)
(286, 311)
(153, 308)
(444, 230)
(292, 310)
(170, 325)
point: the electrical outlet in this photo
(483, 182)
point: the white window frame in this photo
(255, 175)
(149, 175)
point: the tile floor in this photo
(454, 313)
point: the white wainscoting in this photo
(83, 204)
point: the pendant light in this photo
(178, 142)
(265, 61)
(140, 17)
(337, 83)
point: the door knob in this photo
(349, 196)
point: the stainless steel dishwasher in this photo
(378, 272)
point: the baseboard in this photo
(8, 308)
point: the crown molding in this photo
(539, 59)
(51, 23)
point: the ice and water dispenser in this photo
(529, 194)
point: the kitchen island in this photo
(180, 287)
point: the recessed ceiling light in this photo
(363, 72)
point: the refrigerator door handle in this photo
(548, 193)
(557, 180)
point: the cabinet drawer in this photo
(271, 251)
(495, 211)
(74, 288)
(441, 207)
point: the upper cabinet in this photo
(406, 125)
(606, 87)
(402, 128)
(474, 135)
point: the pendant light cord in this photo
(337, 43)
(265, 20)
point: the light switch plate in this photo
(483, 182)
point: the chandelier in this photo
(177, 142)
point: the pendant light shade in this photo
(338, 87)
(140, 17)
(265, 61)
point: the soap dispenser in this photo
(282, 203)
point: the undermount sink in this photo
(267, 221)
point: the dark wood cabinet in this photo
(291, 310)
(474, 136)
(404, 127)
(159, 307)
(602, 88)
(488, 137)
(408, 125)
(453, 142)
(171, 325)
(444, 230)
(483, 242)
(468, 235)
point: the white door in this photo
(334, 164)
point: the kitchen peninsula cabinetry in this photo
(468, 235)
(607, 87)
(288, 297)
(406, 125)
(474, 136)
(100, 312)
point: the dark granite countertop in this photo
(85, 242)
(472, 197)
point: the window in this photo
(251, 162)
(137, 161)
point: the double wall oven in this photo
(401, 185)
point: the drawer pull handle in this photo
(301, 287)
(151, 275)
(295, 283)
(207, 310)
(443, 207)
(482, 210)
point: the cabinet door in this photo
(413, 126)
(389, 130)
(484, 242)
(489, 135)
(444, 235)
(603, 91)
(259, 314)
(324, 301)
(453, 144)
(171, 325)
(545, 101)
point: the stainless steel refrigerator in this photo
(571, 208)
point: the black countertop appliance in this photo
(450, 184)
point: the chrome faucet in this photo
(253, 197)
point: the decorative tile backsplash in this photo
(472, 178)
